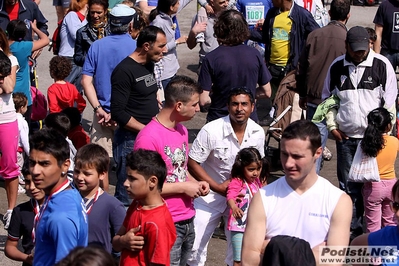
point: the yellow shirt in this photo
(386, 158)
(280, 47)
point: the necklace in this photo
(156, 117)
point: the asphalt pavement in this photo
(188, 60)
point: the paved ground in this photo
(188, 64)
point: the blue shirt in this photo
(103, 56)
(254, 10)
(62, 227)
(22, 50)
(387, 236)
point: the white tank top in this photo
(305, 216)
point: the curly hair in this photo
(20, 100)
(231, 28)
(60, 67)
(379, 121)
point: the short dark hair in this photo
(93, 255)
(339, 9)
(148, 163)
(372, 34)
(180, 89)
(238, 91)
(60, 67)
(20, 100)
(231, 28)
(149, 34)
(50, 141)
(59, 122)
(92, 155)
(16, 30)
(73, 115)
(5, 65)
(303, 130)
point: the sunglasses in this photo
(395, 206)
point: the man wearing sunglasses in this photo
(210, 159)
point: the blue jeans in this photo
(122, 146)
(392, 57)
(346, 150)
(183, 245)
(323, 132)
(75, 77)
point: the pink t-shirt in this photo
(172, 145)
(248, 190)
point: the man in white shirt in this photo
(300, 204)
(211, 157)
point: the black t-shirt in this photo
(134, 92)
(21, 225)
(388, 16)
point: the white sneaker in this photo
(7, 219)
(21, 190)
(200, 37)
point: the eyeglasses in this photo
(395, 206)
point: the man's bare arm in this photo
(199, 174)
(254, 235)
(339, 232)
(264, 91)
(377, 43)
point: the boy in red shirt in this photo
(63, 94)
(148, 232)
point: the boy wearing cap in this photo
(102, 58)
(363, 80)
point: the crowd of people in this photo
(170, 196)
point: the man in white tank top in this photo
(300, 204)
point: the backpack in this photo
(56, 39)
(39, 105)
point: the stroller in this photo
(287, 110)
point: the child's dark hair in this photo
(244, 158)
(16, 30)
(59, 122)
(372, 34)
(50, 141)
(20, 100)
(25, 169)
(148, 163)
(92, 255)
(378, 123)
(93, 155)
(60, 67)
(73, 115)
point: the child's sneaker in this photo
(200, 37)
(327, 154)
(21, 190)
(7, 219)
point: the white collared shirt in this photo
(216, 147)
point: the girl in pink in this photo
(377, 195)
(249, 173)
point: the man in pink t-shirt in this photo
(169, 138)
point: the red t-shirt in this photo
(12, 11)
(61, 96)
(159, 234)
(79, 137)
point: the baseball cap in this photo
(121, 15)
(358, 39)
